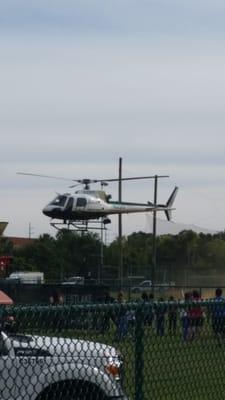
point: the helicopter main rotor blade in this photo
(132, 178)
(87, 181)
(45, 176)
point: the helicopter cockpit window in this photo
(59, 201)
(81, 202)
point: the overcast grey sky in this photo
(86, 82)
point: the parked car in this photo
(42, 367)
(74, 280)
(26, 277)
(142, 287)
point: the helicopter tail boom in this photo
(128, 207)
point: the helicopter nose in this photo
(52, 212)
(46, 211)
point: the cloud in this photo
(114, 17)
(93, 97)
(82, 84)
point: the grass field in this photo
(172, 369)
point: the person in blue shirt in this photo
(160, 313)
(218, 315)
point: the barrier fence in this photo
(141, 350)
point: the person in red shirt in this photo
(195, 315)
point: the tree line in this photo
(71, 253)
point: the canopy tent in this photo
(5, 299)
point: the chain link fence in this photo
(141, 350)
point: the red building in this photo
(5, 260)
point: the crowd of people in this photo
(171, 316)
(164, 316)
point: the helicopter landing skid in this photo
(83, 226)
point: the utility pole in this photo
(154, 230)
(101, 255)
(101, 263)
(30, 230)
(154, 261)
(120, 226)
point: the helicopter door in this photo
(81, 203)
(69, 206)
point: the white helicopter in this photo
(88, 206)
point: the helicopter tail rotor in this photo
(169, 204)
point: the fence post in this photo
(139, 351)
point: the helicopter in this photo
(87, 206)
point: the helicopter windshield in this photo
(59, 201)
